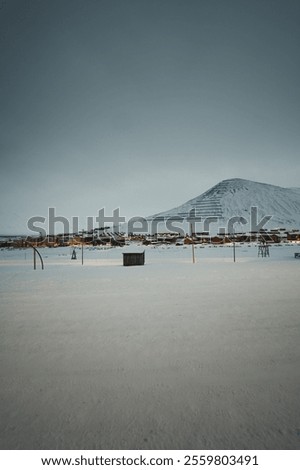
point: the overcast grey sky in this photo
(143, 104)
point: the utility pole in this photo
(82, 247)
(193, 247)
(233, 244)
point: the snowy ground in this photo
(169, 355)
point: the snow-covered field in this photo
(170, 355)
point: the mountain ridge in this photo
(235, 197)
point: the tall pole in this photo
(193, 247)
(35, 252)
(233, 244)
(82, 247)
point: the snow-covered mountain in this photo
(235, 198)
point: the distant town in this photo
(105, 237)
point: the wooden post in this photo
(34, 259)
(82, 247)
(193, 247)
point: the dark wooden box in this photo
(133, 259)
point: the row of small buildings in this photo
(120, 239)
